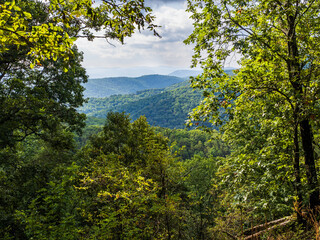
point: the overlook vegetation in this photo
(255, 178)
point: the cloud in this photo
(176, 25)
(143, 49)
(144, 53)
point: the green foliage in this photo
(203, 202)
(270, 99)
(94, 121)
(189, 143)
(87, 132)
(124, 183)
(53, 213)
(119, 203)
(26, 170)
(36, 100)
(99, 107)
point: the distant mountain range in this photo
(105, 87)
(185, 73)
(193, 73)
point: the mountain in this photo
(193, 73)
(185, 73)
(105, 87)
(167, 107)
(163, 106)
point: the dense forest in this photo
(253, 176)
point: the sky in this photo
(144, 53)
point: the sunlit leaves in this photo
(51, 40)
(45, 41)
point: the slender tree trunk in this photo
(307, 138)
(296, 166)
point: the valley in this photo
(168, 106)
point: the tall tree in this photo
(279, 45)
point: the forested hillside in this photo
(104, 87)
(167, 107)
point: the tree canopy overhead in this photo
(40, 68)
(66, 21)
(275, 93)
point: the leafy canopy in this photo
(268, 109)
(69, 20)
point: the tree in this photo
(25, 173)
(35, 101)
(202, 202)
(40, 68)
(279, 45)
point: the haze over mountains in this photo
(105, 87)
(185, 73)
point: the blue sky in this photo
(144, 53)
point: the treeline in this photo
(183, 143)
(101, 106)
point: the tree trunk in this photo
(294, 70)
(296, 166)
(307, 138)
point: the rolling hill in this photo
(168, 107)
(105, 87)
(164, 100)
